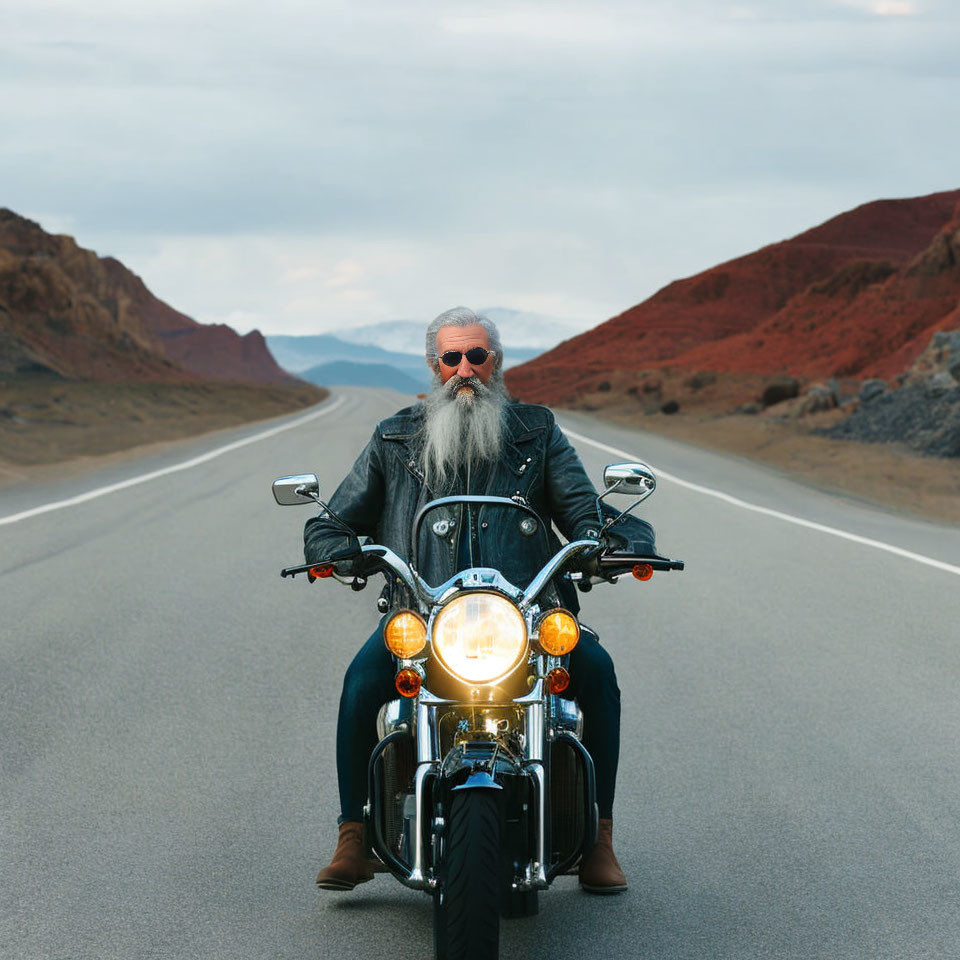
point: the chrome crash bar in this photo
(415, 875)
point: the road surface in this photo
(790, 777)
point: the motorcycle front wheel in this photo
(466, 904)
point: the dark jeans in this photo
(369, 683)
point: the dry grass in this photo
(887, 474)
(45, 421)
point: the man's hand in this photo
(348, 560)
(349, 567)
(611, 542)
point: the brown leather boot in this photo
(600, 872)
(349, 865)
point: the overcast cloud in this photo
(302, 166)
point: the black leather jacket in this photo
(384, 490)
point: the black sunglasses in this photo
(476, 357)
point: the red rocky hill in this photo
(858, 296)
(65, 310)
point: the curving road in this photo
(790, 779)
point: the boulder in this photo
(871, 389)
(918, 415)
(941, 356)
(776, 391)
(947, 340)
(818, 397)
(941, 382)
(703, 378)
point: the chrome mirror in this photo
(302, 488)
(633, 478)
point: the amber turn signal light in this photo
(405, 634)
(643, 571)
(558, 633)
(408, 682)
(558, 680)
(321, 573)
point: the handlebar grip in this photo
(624, 561)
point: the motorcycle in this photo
(480, 791)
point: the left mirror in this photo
(302, 488)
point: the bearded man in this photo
(467, 437)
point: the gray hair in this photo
(461, 428)
(463, 317)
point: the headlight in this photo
(479, 637)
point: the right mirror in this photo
(291, 491)
(631, 478)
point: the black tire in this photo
(466, 906)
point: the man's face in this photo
(462, 339)
(464, 410)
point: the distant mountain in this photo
(513, 356)
(858, 296)
(524, 335)
(399, 336)
(66, 311)
(346, 373)
(298, 354)
(532, 331)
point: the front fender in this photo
(479, 779)
(478, 765)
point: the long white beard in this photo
(462, 426)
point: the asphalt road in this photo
(790, 777)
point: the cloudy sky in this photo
(303, 165)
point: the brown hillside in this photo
(61, 312)
(92, 363)
(856, 296)
(208, 350)
(867, 320)
(67, 311)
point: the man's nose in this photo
(464, 370)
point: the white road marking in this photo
(777, 514)
(175, 468)
(579, 437)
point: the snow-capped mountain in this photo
(401, 336)
(521, 328)
(526, 333)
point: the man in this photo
(467, 436)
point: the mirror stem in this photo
(643, 496)
(609, 490)
(316, 498)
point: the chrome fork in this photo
(534, 704)
(428, 763)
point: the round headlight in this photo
(479, 637)
(405, 634)
(558, 633)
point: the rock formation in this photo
(68, 312)
(858, 296)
